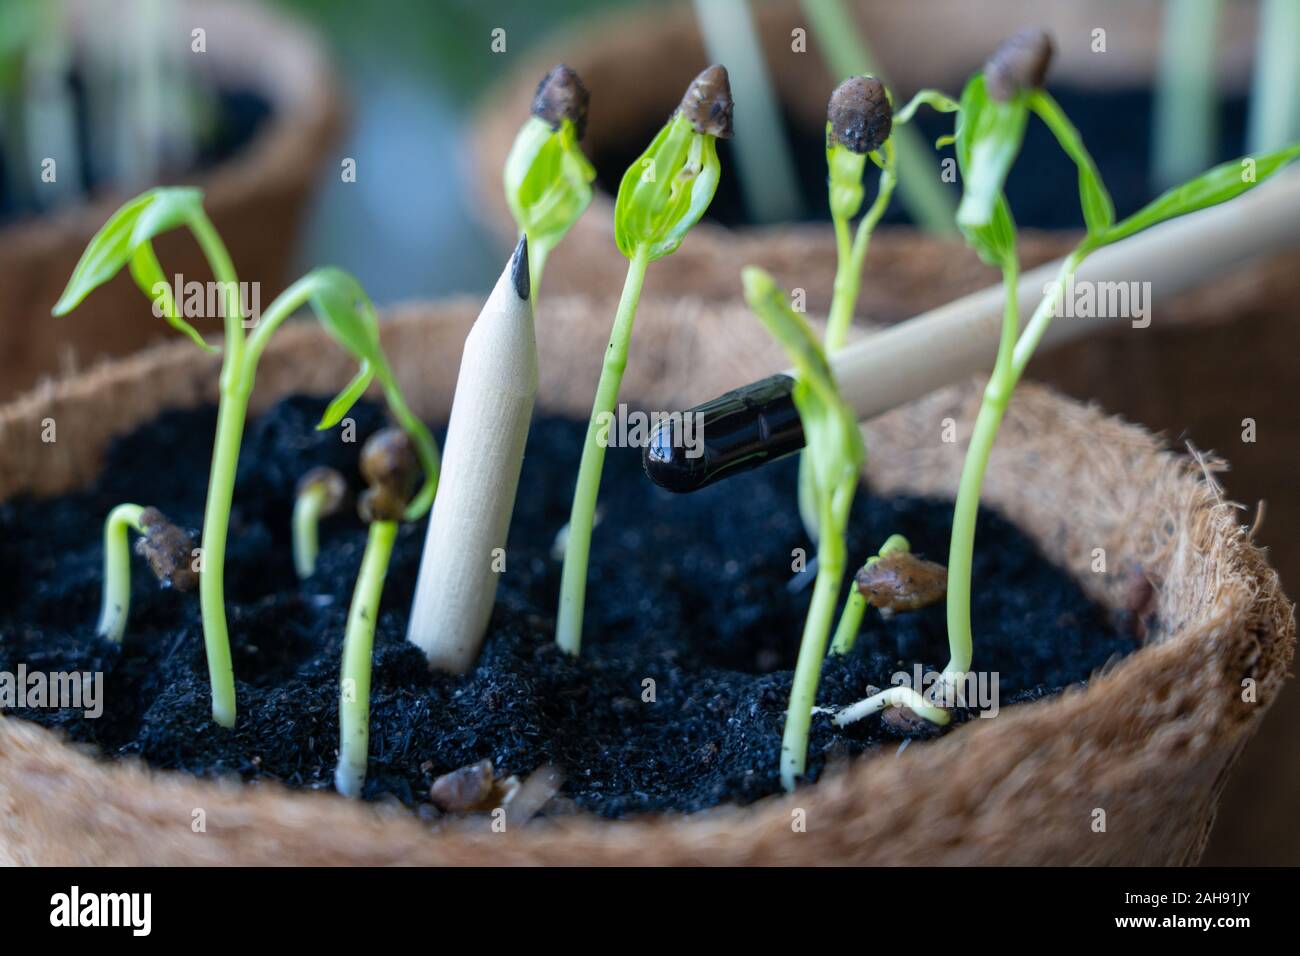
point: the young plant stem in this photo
(997, 394)
(851, 256)
(358, 644)
(812, 651)
(927, 199)
(573, 578)
(855, 608)
(117, 571)
(1185, 109)
(308, 508)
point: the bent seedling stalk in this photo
(319, 494)
(340, 304)
(662, 196)
(168, 550)
(994, 110)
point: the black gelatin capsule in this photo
(740, 430)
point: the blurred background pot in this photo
(1151, 740)
(1215, 367)
(272, 111)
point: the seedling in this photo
(926, 197)
(547, 178)
(835, 449)
(860, 122)
(994, 110)
(340, 304)
(662, 196)
(893, 580)
(1185, 127)
(168, 549)
(320, 493)
(389, 465)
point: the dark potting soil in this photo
(689, 592)
(1042, 188)
(237, 117)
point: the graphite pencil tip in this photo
(519, 270)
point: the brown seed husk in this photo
(466, 789)
(389, 465)
(861, 117)
(561, 95)
(900, 581)
(708, 104)
(1020, 63)
(168, 549)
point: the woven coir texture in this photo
(256, 199)
(1150, 741)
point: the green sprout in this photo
(168, 549)
(340, 304)
(547, 178)
(860, 123)
(846, 632)
(662, 196)
(927, 198)
(389, 465)
(320, 493)
(1184, 124)
(995, 107)
(834, 446)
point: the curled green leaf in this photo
(667, 190)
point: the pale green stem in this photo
(306, 521)
(893, 697)
(812, 651)
(358, 644)
(846, 632)
(1275, 95)
(848, 271)
(966, 510)
(236, 385)
(931, 203)
(1185, 109)
(117, 571)
(573, 579)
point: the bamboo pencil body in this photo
(757, 423)
(464, 549)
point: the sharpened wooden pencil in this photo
(464, 549)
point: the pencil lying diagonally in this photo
(757, 423)
(464, 547)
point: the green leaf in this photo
(1223, 182)
(106, 253)
(344, 309)
(940, 102)
(1094, 199)
(666, 190)
(994, 240)
(831, 430)
(547, 181)
(989, 134)
(343, 402)
(149, 278)
(171, 208)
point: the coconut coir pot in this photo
(1150, 740)
(257, 198)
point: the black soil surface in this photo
(1043, 186)
(688, 591)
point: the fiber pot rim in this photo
(303, 92)
(1150, 740)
